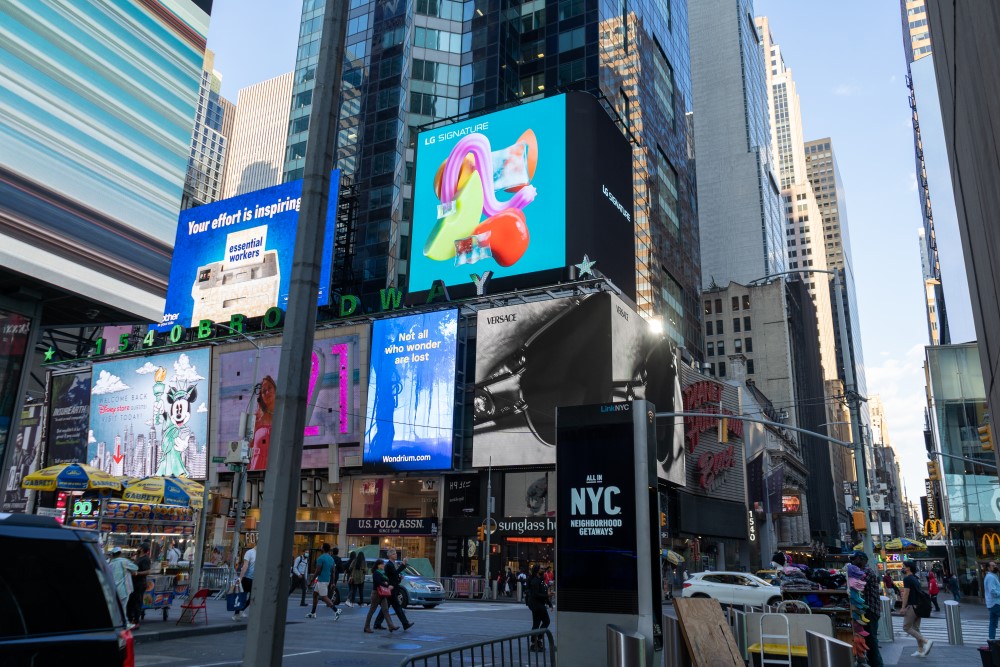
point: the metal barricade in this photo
(824, 651)
(953, 617)
(675, 653)
(626, 648)
(462, 587)
(214, 578)
(886, 633)
(535, 649)
(738, 623)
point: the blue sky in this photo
(848, 62)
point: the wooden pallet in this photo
(709, 640)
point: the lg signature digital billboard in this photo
(523, 193)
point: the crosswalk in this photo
(974, 631)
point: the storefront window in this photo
(395, 513)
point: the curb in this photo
(180, 633)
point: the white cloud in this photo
(892, 79)
(184, 372)
(108, 384)
(146, 369)
(846, 90)
(899, 379)
(90, 437)
(202, 408)
(912, 182)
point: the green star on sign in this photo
(49, 352)
(586, 267)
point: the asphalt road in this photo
(342, 643)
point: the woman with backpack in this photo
(356, 579)
(537, 599)
(916, 605)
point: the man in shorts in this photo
(323, 576)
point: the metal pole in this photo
(199, 541)
(953, 617)
(266, 632)
(853, 402)
(240, 480)
(487, 590)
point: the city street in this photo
(324, 641)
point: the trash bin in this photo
(826, 651)
(626, 648)
(986, 656)
(675, 653)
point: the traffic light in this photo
(933, 472)
(481, 533)
(986, 437)
(663, 519)
(723, 430)
(860, 523)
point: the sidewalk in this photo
(974, 619)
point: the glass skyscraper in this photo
(412, 64)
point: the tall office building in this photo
(97, 104)
(740, 212)
(411, 65)
(966, 64)
(805, 248)
(831, 202)
(257, 145)
(203, 181)
(949, 307)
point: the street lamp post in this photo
(853, 399)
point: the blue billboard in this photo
(490, 195)
(411, 393)
(234, 256)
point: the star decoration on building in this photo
(49, 352)
(586, 267)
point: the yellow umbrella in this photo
(70, 477)
(179, 491)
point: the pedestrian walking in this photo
(356, 582)
(381, 592)
(143, 565)
(323, 577)
(522, 578)
(874, 608)
(394, 578)
(891, 591)
(246, 579)
(121, 569)
(912, 594)
(932, 588)
(299, 570)
(991, 590)
(952, 582)
(537, 599)
(510, 583)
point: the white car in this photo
(737, 588)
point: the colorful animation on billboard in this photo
(333, 403)
(490, 194)
(411, 393)
(149, 415)
(234, 257)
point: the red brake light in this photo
(126, 647)
(686, 584)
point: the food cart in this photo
(127, 524)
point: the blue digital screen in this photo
(490, 195)
(234, 256)
(411, 393)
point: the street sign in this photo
(218, 459)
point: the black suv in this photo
(57, 598)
